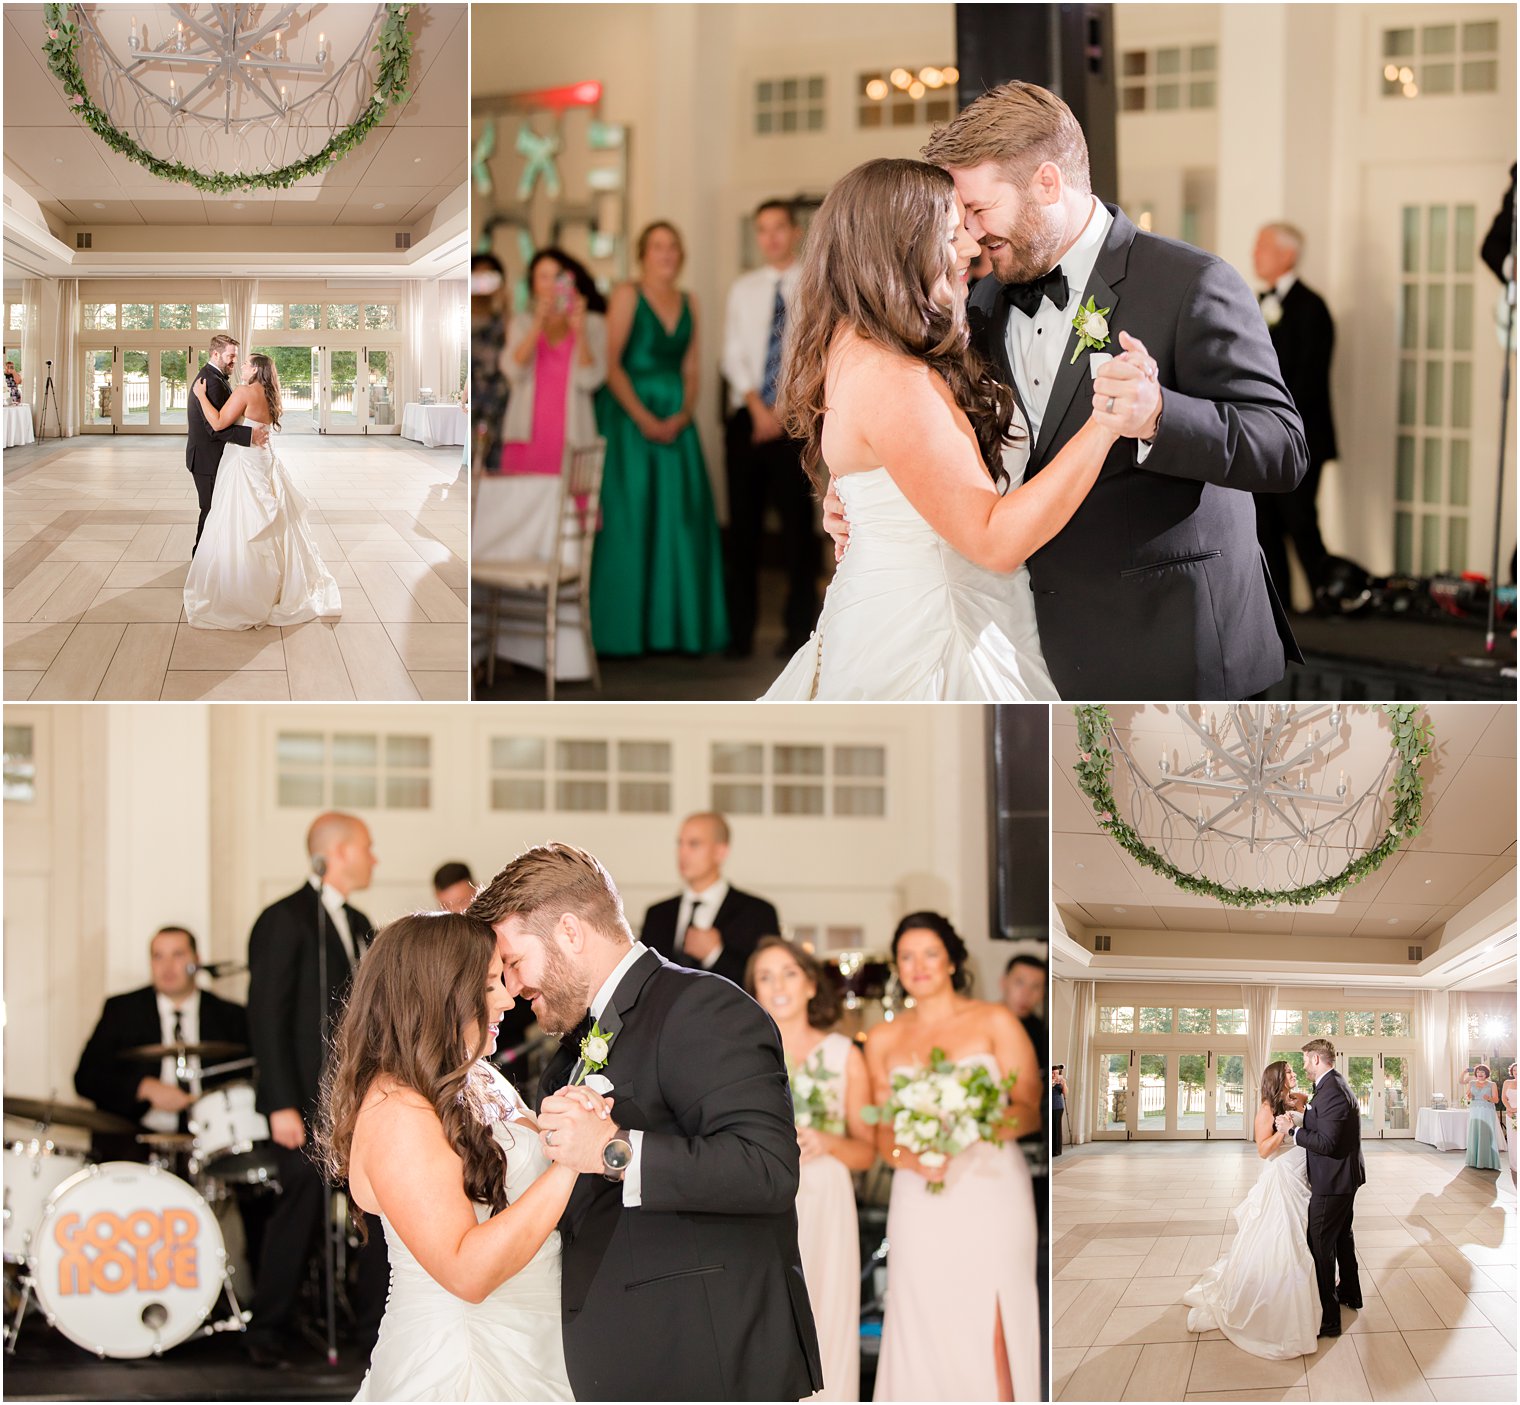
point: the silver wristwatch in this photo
(616, 1157)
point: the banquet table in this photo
(18, 425)
(433, 425)
(514, 519)
(1444, 1128)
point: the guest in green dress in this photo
(1483, 1120)
(657, 574)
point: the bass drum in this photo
(128, 1260)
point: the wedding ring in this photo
(549, 1137)
(1109, 408)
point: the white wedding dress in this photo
(1262, 1294)
(256, 563)
(434, 1346)
(908, 618)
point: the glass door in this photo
(101, 388)
(1151, 1109)
(292, 364)
(138, 375)
(1359, 1074)
(1189, 1097)
(340, 381)
(174, 374)
(1113, 1097)
(1391, 1094)
(1227, 1096)
(380, 406)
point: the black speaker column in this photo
(1019, 744)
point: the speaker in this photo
(1019, 745)
(1066, 48)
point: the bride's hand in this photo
(1127, 392)
(574, 1125)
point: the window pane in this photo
(1288, 1022)
(98, 316)
(1438, 78)
(1152, 1092)
(1411, 261)
(304, 316)
(515, 794)
(1430, 475)
(379, 316)
(1435, 254)
(1409, 317)
(409, 751)
(1168, 60)
(763, 91)
(1408, 381)
(174, 315)
(1480, 37)
(1155, 1019)
(1403, 543)
(1200, 95)
(517, 753)
(1201, 58)
(356, 749)
(1116, 1019)
(1464, 240)
(1459, 452)
(1134, 63)
(1360, 1023)
(300, 748)
(20, 782)
(1295, 1060)
(1456, 544)
(860, 801)
(212, 316)
(1440, 39)
(1404, 476)
(1461, 394)
(267, 315)
(815, 89)
(731, 799)
(1462, 317)
(797, 760)
(1230, 1021)
(1323, 1022)
(788, 90)
(1398, 43)
(1481, 76)
(1168, 96)
(300, 791)
(1434, 400)
(580, 795)
(1229, 1093)
(644, 797)
(1435, 316)
(1115, 1093)
(581, 756)
(1134, 100)
(798, 799)
(644, 756)
(407, 792)
(1430, 545)
(1395, 1024)
(860, 761)
(343, 316)
(356, 791)
(737, 759)
(1191, 1020)
(136, 316)
(1192, 1073)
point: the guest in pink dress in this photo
(829, 1088)
(963, 1304)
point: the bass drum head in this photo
(128, 1260)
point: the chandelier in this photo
(230, 96)
(1266, 804)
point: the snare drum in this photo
(33, 1171)
(128, 1260)
(232, 1137)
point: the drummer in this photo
(172, 1010)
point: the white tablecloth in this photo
(514, 520)
(435, 424)
(18, 425)
(1444, 1128)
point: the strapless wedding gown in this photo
(434, 1346)
(1262, 1294)
(956, 1260)
(257, 563)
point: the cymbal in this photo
(65, 1115)
(211, 1049)
(167, 1141)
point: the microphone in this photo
(216, 968)
(319, 865)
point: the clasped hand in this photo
(1130, 385)
(1283, 1121)
(574, 1125)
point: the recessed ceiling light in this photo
(378, 205)
(101, 204)
(58, 160)
(1429, 881)
(1080, 867)
(1121, 909)
(1393, 921)
(237, 204)
(1260, 916)
(416, 160)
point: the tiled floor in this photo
(1133, 1225)
(98, 534)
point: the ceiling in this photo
(1465, 848)
(410, 164)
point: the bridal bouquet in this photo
(810, 1103)
(941, 1110)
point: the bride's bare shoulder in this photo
(853, 358)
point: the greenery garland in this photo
(1411, 741)
(394, 45)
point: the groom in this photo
(204, 445)
(681, 1273)
(1332, 1141)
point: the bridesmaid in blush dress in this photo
(963, 1305)
(793, 989)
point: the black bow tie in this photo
(1026, 296)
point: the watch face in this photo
(616, 1155)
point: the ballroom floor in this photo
(98, 534)
(1133, 1225)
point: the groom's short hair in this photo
(1018, 127)
(220, 340)
(1323, 1047)
(550, 879)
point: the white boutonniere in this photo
(1271, 309)
(596, 1048)
(1091, 323)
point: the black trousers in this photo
(205, 486)
(1280, 516)
(1331, 1244)
(292, 1235)
(759, 474)
(1056, 1114)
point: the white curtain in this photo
(240, 294)
(31, 345)
(52, 334)
(66, 355)
(1079, 1070)
(451, 320)
(1260, 1001)
(1456, 1044)
(415, 375)
(1433, 1016)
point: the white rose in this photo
(803, 1086)
(933, 1158)
(966, 1133)
(599, 1083)
(918, 1096)
(1271, 309)
(953, 1099)
(804, 1119)
(594, 1050)
(1096, 326)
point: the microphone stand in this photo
(319, 867)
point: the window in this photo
(305, 316)
(1295, 1060)
(343, 316)
(1288, 1022)
(1170, 79)
(1441, 60)
(789, 105)
(99, 317)
(1155, 1019)
(354, 770)
(174, 316)
(1396, 1024)
(901, 98)
(1322, 1023)
(20, 765)
(136, 316)
(1194, 1021)
(1116, 1019)
(1359, 1024)
(577, 774)
(1230, 1021)
(382, 316)
(15, 317)
(211, 316)
(807, 779)
(268, 316)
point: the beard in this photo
(565, 993)
(1031, 247)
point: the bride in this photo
(1261, 1294)
(437, 1144)
(257, 563)
(881, 384)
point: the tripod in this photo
(49, 397)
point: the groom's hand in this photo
(1129, 382)
(574, 1125)
(834, 522)
(260, 435)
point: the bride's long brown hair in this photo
(875, 253)
(1274, 1086)
(421, 982)
(265, 375)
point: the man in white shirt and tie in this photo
(764, 463)
(712, 925)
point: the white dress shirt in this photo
(160, 1119)
(632, 1177)
(701, 910)
(333, 900)
(747, 326)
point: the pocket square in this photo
(1097, 361)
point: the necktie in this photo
(773, 349)
(181, 1073)
(1026, 296)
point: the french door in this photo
(1177, 1094)
(352, 390)
(137, 388)
(1380, 1083)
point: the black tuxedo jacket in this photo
(284, 1009)
(1332, 1137)
(697, 1293)
(741, 921)
(1304, 339)
(126, 1022)
(1157, 587)
(204, 445)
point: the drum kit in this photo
(128, 1259)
